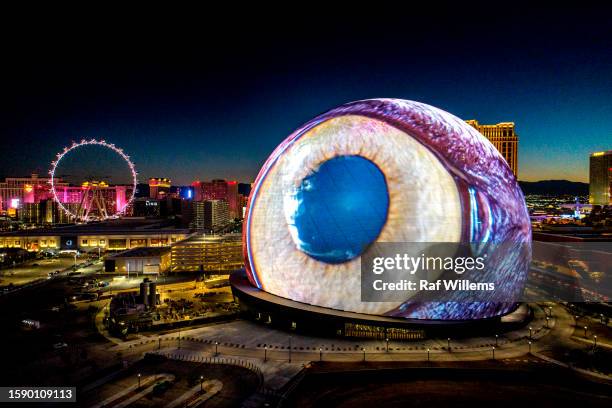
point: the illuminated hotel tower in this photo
(600, 178)
(159, 187)
(503, 138)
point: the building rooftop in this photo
(195, 238)
(141, 252)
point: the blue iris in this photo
(342, 207)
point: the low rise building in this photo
(114, 235)
(145, 260)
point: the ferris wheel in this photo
(94, 199)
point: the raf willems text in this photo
(412, 265)
(437, 272)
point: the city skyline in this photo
(188, 108)
(386, 206)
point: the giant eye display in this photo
(381, 170)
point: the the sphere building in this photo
(380, 170)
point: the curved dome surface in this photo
(380, 170)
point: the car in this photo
(59, 346)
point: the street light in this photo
(265, 354)
(493, 350)
(594, 341)
(138, 380)
(585, 331)
(216, 348)
(387, 340)
(496, 338)
(427, 354)
(201, 381)
(363, 349)
(530, 332)
(547, 321)
(320, 353)
(529, 347)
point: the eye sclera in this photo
(411, 218)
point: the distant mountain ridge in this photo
(555, 187)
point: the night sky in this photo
(212, 96)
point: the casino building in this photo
(503, 137)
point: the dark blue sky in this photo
(212, 97)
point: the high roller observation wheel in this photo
(90, 142)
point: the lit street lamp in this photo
(265, 354)
(547, 321)
(530, 332)
(320, 353)
(216, 348)
(585, 331)
(427, 354)
(493, 350)
(363, 349)
(530, 347)
(138, 380)
(594, 341)
(387, 340)
(201, 381)
(496, 339)
(448, 344)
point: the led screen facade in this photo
(382, 170)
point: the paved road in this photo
(247, 339)
(255, 343)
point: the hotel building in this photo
(504, 138)
(600, 178)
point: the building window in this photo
(102, 242)
(51, 242)
(84, 242)
(43, 242)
